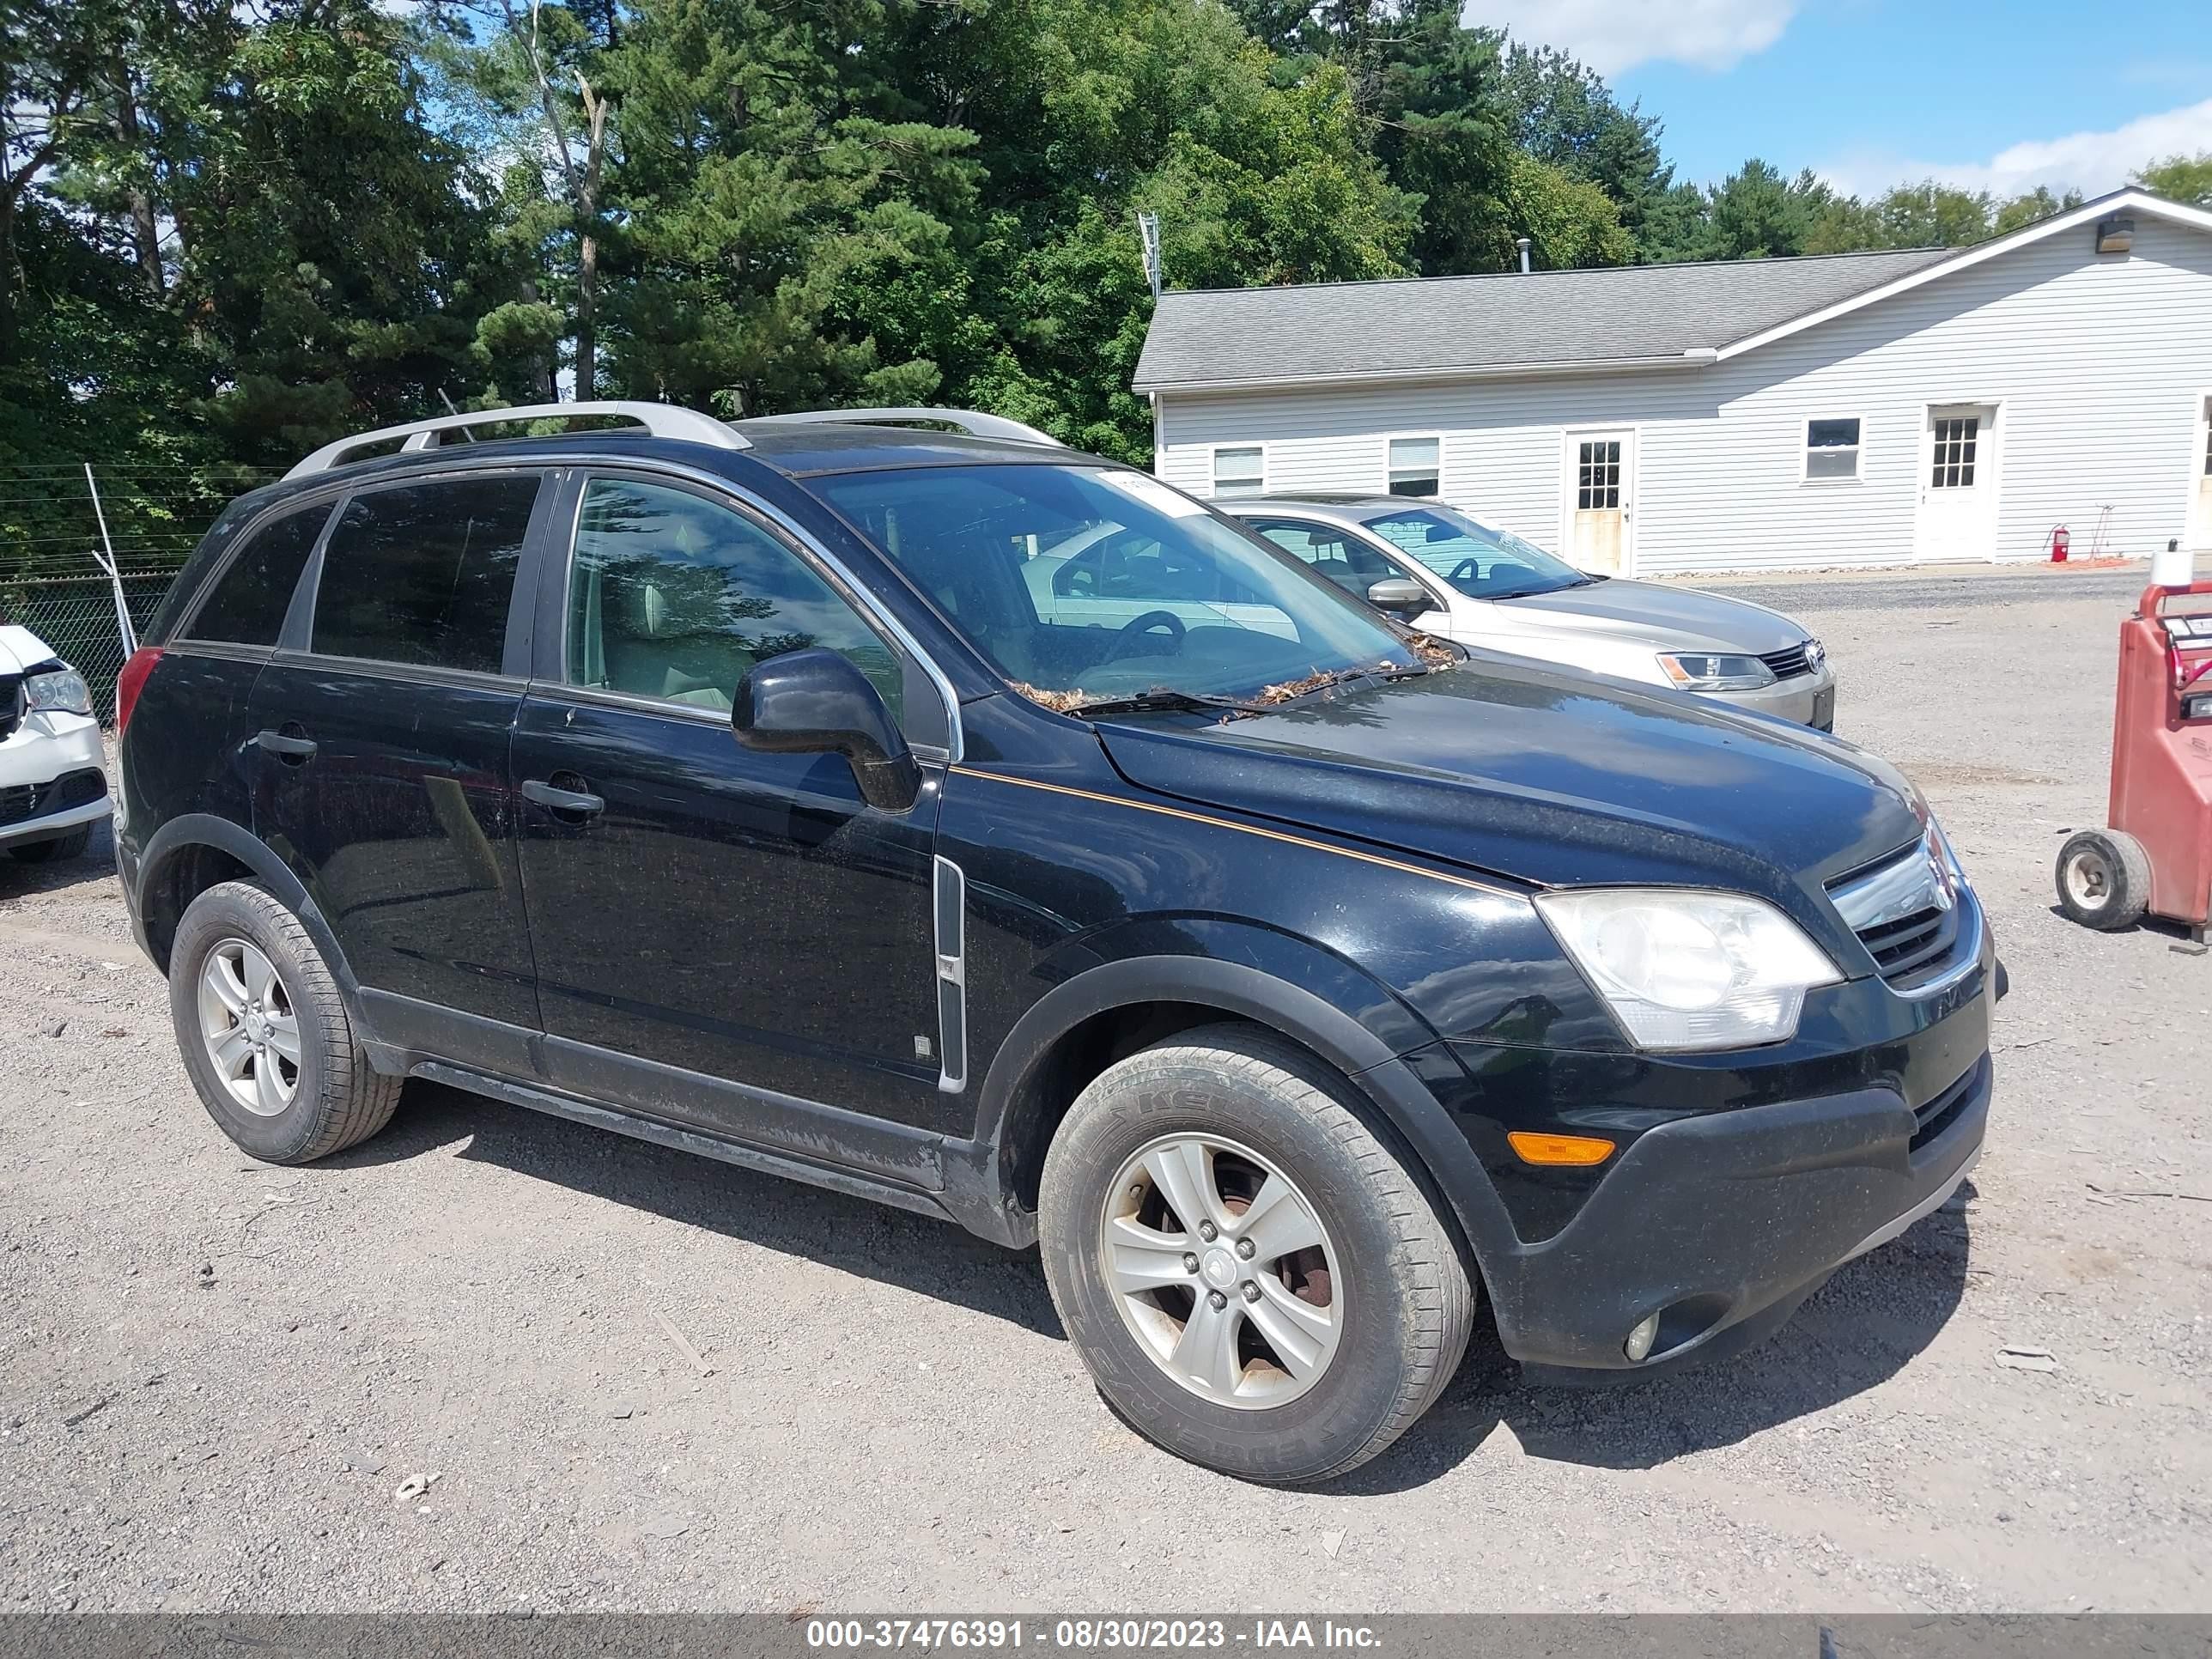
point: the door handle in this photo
(569, 805)
(288, 746)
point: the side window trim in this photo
(297, 642)
(548, 667)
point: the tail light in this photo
(131, 681)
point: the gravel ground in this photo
(215, 1376)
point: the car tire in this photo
(58, 849)
(1398, 1301)
(2104, 879)
(236, 944)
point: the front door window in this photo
(676, 597)
(1957, 437)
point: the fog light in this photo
(1639, 1339)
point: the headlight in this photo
(60, 689)
(1683, 970)
(1815, 654)
(1699, 670)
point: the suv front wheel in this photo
(1257, 1282)
(264, 1033)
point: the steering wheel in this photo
(1134, 631)
(1467, 570)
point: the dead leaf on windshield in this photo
(1058, 701)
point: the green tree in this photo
(2031, 206)
(1567, 117)
(2181, 178)
(1756, 213)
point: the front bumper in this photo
(49, 768)
(1723, 1224)
(1804, 699)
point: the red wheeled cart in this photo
(2157, 854)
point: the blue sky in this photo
(1871, 93)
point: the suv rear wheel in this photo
(264, 1033)
(1257, 1282)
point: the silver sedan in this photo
(1451, 573)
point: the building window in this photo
(1414, 464)
(1831, 450)
(1956, 436)
(1597, 475)
(1242, 471)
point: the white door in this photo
(1600, 498)
(2200, 483)
(1958, 517)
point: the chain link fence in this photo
(51, 580)
(75, 616)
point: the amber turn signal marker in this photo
(1579, 1150)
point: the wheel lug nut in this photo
(1251, 1292)
(1209, 1231)
(1244, 1248)
(1217, 1300)
(1190, 1264)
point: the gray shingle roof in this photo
(1327, 331)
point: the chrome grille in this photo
(1906, 912)
(1788, 665)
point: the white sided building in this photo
(1894, 408)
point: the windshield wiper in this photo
(1161, 697)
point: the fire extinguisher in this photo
(2060, 540)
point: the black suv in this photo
(974, 825)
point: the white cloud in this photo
(1611, 36)
(2091, 162)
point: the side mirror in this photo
(816, 702)
(1401, 596)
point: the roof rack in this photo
(660, 420)
(973, 421)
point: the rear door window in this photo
(251, 597)
(424, 574)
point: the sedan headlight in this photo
(1684, 969)
(1703, 671)
(62, 690)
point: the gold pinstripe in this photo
(1241, 829)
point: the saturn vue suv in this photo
(1302, 985)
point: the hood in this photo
(20, 648)
(1662, 614)
(1551, 777)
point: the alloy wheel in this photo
(1222, 1270)
(250, 1027)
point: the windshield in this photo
(1088, 584)
(1479, 561)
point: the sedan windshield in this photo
(1479, 561)
(1091, 584)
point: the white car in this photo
(52, 790)
(1451, 573)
